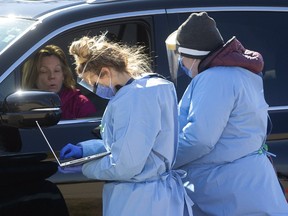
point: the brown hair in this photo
(93, 53)
(31, 67)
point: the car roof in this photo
(36, 8)
(33, 8)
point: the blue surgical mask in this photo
(182, 68)
(104, 91)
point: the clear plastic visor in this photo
(173, 56)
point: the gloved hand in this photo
(71, 151)
(70, 169)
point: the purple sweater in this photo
(75, 105)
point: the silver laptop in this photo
(72, 162)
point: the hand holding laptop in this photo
(71, 151)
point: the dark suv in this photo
(26, 26)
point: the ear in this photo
(105, 71)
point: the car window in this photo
(266, 33)
(127, 31)
(11, 28)
(130, 32)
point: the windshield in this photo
(10, 29)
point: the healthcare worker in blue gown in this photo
(222, 124)
(139, 127)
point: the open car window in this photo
(130, 32)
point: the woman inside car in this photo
(48, 70)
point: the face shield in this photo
(83, 83)
(173, 56)
(86, 85)
(174, 52)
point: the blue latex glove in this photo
(71, 151)
(70, 169)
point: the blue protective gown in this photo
(140, 128)
(222, 123)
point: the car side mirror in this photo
(22, 108)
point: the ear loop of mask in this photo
(104, 91)
(95, 85)
(110, 85)
(189, 71)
